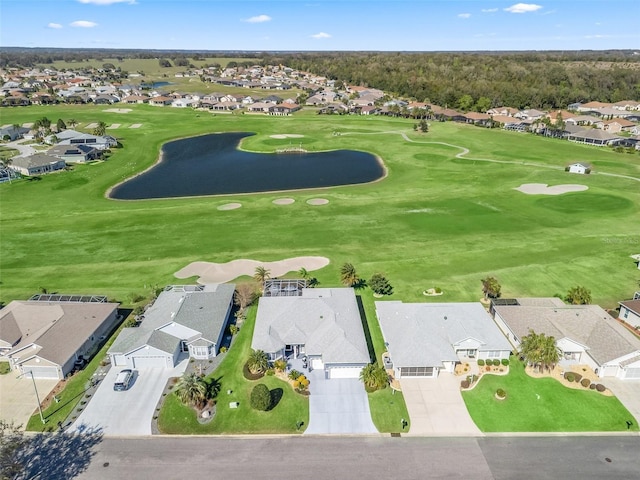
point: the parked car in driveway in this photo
(123, 380)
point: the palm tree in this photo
(490, 287)
(100, 129)
(304, 274)
(261, 274)
(72, 122)
(348, 275)
(373, 376)
(258, 361)
(578, 295)
(192, 390)
(540, 351)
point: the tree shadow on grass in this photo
(365, 327)
(59, 456)
(276, 396)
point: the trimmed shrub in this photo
(570, 376)
(496, 362)
(600, 387)
(577, 377)
(505, 362)
(500, 393)
(294, 374)
(488, 368)
(223, 349)
(585, 382)
(464, 384)
(480, 362)
(438, 290)
(260, 397)
(592, 386)
(270, 372)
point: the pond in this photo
(213, 165)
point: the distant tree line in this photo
(471, 81)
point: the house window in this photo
(493, 353)
(416, 371)
(626, 314)
(183, 346)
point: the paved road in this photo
(494, 458)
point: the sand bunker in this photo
(115, 125)
(318, 201)
(287, 135)
(283, 201)
(208, 272)
(544, 189)
(136, 125)
(229, 206)
(117, 110)
(92, 125)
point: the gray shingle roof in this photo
(203, 311)
(325, 320)
(163, 341)
(424, 334)
(588, 325)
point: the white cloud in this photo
(54, 25)
(258, 19)
(464, 15)
(321, 35)
(83, 24)
(597, 36)
(107, 2)
(523, 8)
(489, 10)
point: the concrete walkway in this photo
(628, 392)
(338, 406)
(436, 407)
(25, 150)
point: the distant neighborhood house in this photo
(37, 164)
(579, 167)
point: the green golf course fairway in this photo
(434, 221)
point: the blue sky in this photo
(415, 25)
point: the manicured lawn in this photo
(436, 220)
(290, 409)
(387, 411)
(542, 405)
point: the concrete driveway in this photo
(129, 412)
(338, 406)
(436, 407)
(628, 392)
(18, 397)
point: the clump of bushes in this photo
(464, 384)
(260, 397)
(592, 386)
(585, 382)
(294, 374)
(500, 393)
(505, 362)
(438, 290)
(480, 362)
(270, 372)
(496, 362)
(601, 388)
(569, 376)
(577, 377)
(301, 383)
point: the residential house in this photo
(630, 312)
(579, 167)
(478, 118)
(322, 324)
(585, 334)
(425, 338)
(259, 107)
(184, 102)
(131, 99)
(188, 319)
(105, 99)
(12, 132)
(530, 114)
(615, 125)
(37, 164)
(160, 101)
(592, 136)
(505, 111)
(283, 109)
(47, 334)
(75, 153)
(73, 137)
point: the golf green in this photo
(434, 220)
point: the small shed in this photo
(579, 167)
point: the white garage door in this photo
(345, 372)
(317, 364)
(632, 374)
(118, 360)
(150, 362)
(42, 371)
